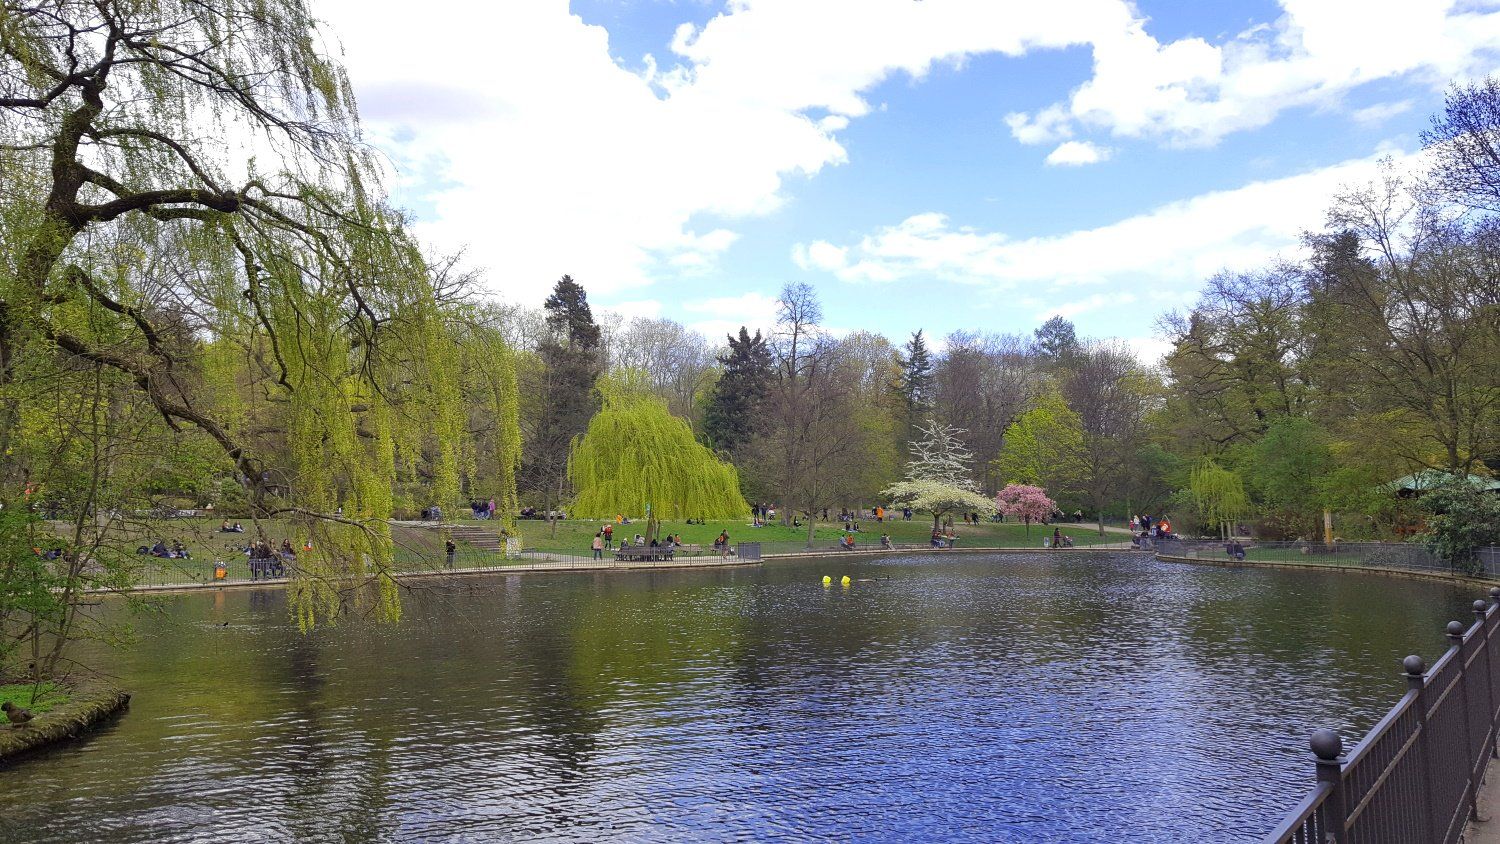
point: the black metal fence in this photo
(1415, 775)
(1407, 556)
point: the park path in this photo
(1486, 831)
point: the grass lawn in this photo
(48, 696)
(574, 536)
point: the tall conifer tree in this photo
(571, 363)
(731, 418)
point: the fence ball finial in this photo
(1326, 745)
(1495, 594)
(1414, 665)
(1455, 628)
(1479, 607)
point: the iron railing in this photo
(1414, 777)
(1407, 556)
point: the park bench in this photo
(643, 552)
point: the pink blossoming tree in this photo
(1029, 503)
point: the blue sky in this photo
(936, 164)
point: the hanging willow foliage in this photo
(636, 456)
(1218, 494)
(250, 284)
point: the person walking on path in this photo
(599, 545)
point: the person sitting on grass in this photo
(846, 542)
(885, 540)
(160, 550)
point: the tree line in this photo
(242, 318)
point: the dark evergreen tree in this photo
(571, 362)
(732, 416)
(569, 316)
(915, 385)
(1058, 342)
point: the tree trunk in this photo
(811, 523)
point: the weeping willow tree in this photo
(1219, 495)
(636, 457)
(188, 204)
(492, 397)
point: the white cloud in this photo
(635, 309)
(1148, 350)
(1170, 248)
(819, 255)
(1381, 112)
(1076, 153)
(723, 315)
(521, 137)
(1193, 92)
(1073, 307)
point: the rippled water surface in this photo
(967, 698)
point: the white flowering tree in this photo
(937, 478)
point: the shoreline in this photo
(569, 567)
(1382, 571)
(88, 706)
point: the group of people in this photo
(846, 542)
(262, 550)
(226, 527)
(482, 509)
(604, 539)
(177, 551)
(944, 540)
(1152, 527)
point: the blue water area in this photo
(988, 698)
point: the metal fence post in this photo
(1456, 635)
(1328, 747)
(1481, 612)
(1416, 681)
(1489, 653)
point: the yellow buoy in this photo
(827, 580)
(846, 580)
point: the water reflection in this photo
(1045, 698)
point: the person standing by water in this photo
(451, 550)
(609, 535)
(599, 545)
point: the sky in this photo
(924, 164)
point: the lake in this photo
(1003, 697)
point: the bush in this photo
(1462, 519)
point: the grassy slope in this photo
(48, 696)
(574, 536)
